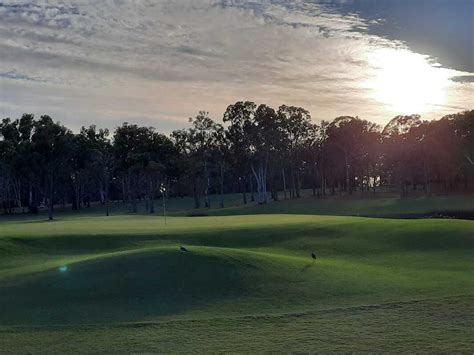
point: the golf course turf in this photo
(120, 284)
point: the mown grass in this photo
(247, 284)
(427, 326)
(372, 206)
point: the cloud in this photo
(463, 79)
(13, 75)
(163, 61)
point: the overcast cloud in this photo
(159, 62)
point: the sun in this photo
(407, 82)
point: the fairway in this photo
(247, 283)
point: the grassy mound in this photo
(122, 288)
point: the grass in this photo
(385, 203)
(379, 205)
(429, 326)
(247, 284)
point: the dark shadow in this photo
(467, 215)
(121, 289)
(306, 267)
(244, 237)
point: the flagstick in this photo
(163, 191)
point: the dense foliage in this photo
(257, 150)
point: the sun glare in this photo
(407, 82)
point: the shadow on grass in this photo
(242, 237)
(307, 267)
(124, 289)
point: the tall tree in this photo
(239, 117)
(295, 123)
(398, 147)
(51, 142)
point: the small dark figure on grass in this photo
(183, 249)
(313, 255)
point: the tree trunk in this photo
(197, 200)
(264, 178)
(348, 178)
(427, 180)
(222, 185)
(134, 196)
(106, 197)
(323, 183)
(298, 185)
(30, 199)
(17, 191)
(151, 197)
(102, 194)
(243, 188)
(275, 189)
(124, 192)
(51, 193)
(252, 196)
(284, 183)
(77, 194)
(261, 179)
(292, 190)
(207, 200)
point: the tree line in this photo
(256, 150)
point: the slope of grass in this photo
(247, 283)
(367, 205)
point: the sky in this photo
(157, 63)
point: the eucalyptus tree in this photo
(264, 135)
(348, 139)
(220, 155)
(312, 155)
(52, 145)
(187, 169)
(442, 149)
(17, 162)
(239, 118)
(398, 148)
(200, 147)
(160, 167)
(129, 140)
(8, 157)
(464, 128)
(296, 131)
(80, 173)
(367, 152)
(141, 157)
(100, 163)
(28, 166)
(204, 136)
(322, 161)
